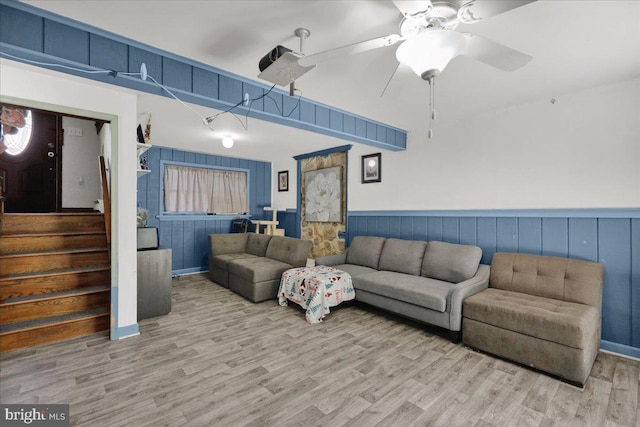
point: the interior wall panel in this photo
(614, 249)
(635, 282)
(555, 237)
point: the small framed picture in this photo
(283, 181)
(371, 168)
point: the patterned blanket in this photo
(315, 289)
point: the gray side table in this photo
(154, 283)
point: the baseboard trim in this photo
(187, 271)
(620, 350)
(127, 331)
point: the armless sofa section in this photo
(423, 281)
(252, 264)
(539, 311)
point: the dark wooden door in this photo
(32, 177)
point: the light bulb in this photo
(429, 52)
(227, 141)
(372, 163)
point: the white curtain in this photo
(188, 189)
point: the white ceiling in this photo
(575, 45)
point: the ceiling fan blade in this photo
(476, 10)
(413, 7)
(494, 54)
(350, 49)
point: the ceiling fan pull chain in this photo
(433, 97)
(432, 111)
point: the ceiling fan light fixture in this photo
(429, 53)
(227, 141)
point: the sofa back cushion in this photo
(289, 250)
(403, 256)
(450, 262)
(227, 243)
(257, 244)
(563, 279)
(365, 251)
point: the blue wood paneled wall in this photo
(187, 237)
(612, 238)
(38, 35)
(289, 222)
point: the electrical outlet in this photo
(74, 131)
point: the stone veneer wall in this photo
(324, 235)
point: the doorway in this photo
(50, 161)
(30, 164)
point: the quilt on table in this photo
(315, 289)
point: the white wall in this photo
(105, 150)
(39, 85)
(581, 152)
(80, 165)
(283, 200)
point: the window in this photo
(17, 142)
(194, 189)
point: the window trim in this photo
(21, 132)
(193, 216)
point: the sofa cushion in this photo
(289, 250)
(365, 251)
(257, 244)
(258, 269)
(565, 323)
(403, 256)
(565, 279)
(421, 291)
(354, 270)
(450, 262)
(228, 243)
(221, 261)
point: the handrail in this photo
(106, 200)
(2, 198)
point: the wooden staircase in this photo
(55, 278)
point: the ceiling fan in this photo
(428, 41)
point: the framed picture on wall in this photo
(323, 195)
(283, 181)
(371, 168)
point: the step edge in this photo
(101, 267)
(46, 325)
(52, 233)
(22, 214)
(54, 297)
(54, 252)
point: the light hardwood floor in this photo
(219, 360)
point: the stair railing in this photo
(106, 200)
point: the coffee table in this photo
(315, 289)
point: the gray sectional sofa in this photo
(423, 281)
(540, 311)
(252, 264)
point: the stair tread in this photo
(53, 252)
(47, 321)
(54, 214)
(53, 295)
(86, 269)
(52, 233)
